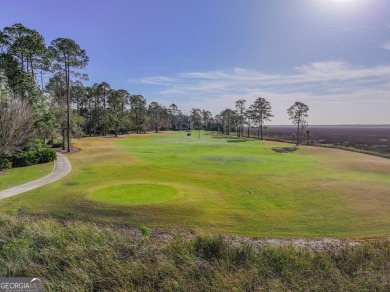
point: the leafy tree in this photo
(261, 111)
(158, 116)
(176, 117)
(249, 115)
(61, 124)
(117, 100)
(206, 119)
(22, 84)
(56, 89)
(196, 119)
(26, 46)
(227, 120)
(22, 52)
(87, 110)
(77, 95)
(96, 109)
(103, 88)
(218, 123)
(66, 56)
(298, 114)
(240, 109)
(3, 42)
(138, 113)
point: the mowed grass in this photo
(21, 175)
(135, 194)
(214, 185)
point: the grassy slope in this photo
(243, 188)
(87, 257)
(21, 175)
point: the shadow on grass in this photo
(284, 149)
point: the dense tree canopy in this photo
(67, 55)
(43, 86)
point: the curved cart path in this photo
(62, 167)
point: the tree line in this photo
(43, 96)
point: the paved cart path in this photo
(62, 167)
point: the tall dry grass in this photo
(79, 256)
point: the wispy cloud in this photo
(386, 45)
(316, 83)
(314, 78)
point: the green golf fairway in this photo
(213, 184)
(135, 194)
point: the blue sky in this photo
(334, 55)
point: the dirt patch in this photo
(72, 150)
(3, 171)
(284, 149)
(164, 236)
(322, 244)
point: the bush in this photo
(55, 144)
(36, 153)
(36, 144)
(46, 155)
(210, 247)
(27, 158)
(5, 163)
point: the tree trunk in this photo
(41, 79)
(261, 130)
(32, 68)
(104, 105)
(67, 69)
(298, 133)
(63, 139)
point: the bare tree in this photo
(16, 126)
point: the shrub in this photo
(145, 231)
(27, 158)
(5, 163)
(35, 153)
(46, 155)
(210, 247)
(36, 144)
(55, 144)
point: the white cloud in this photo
(320, 84)
(386, 45)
